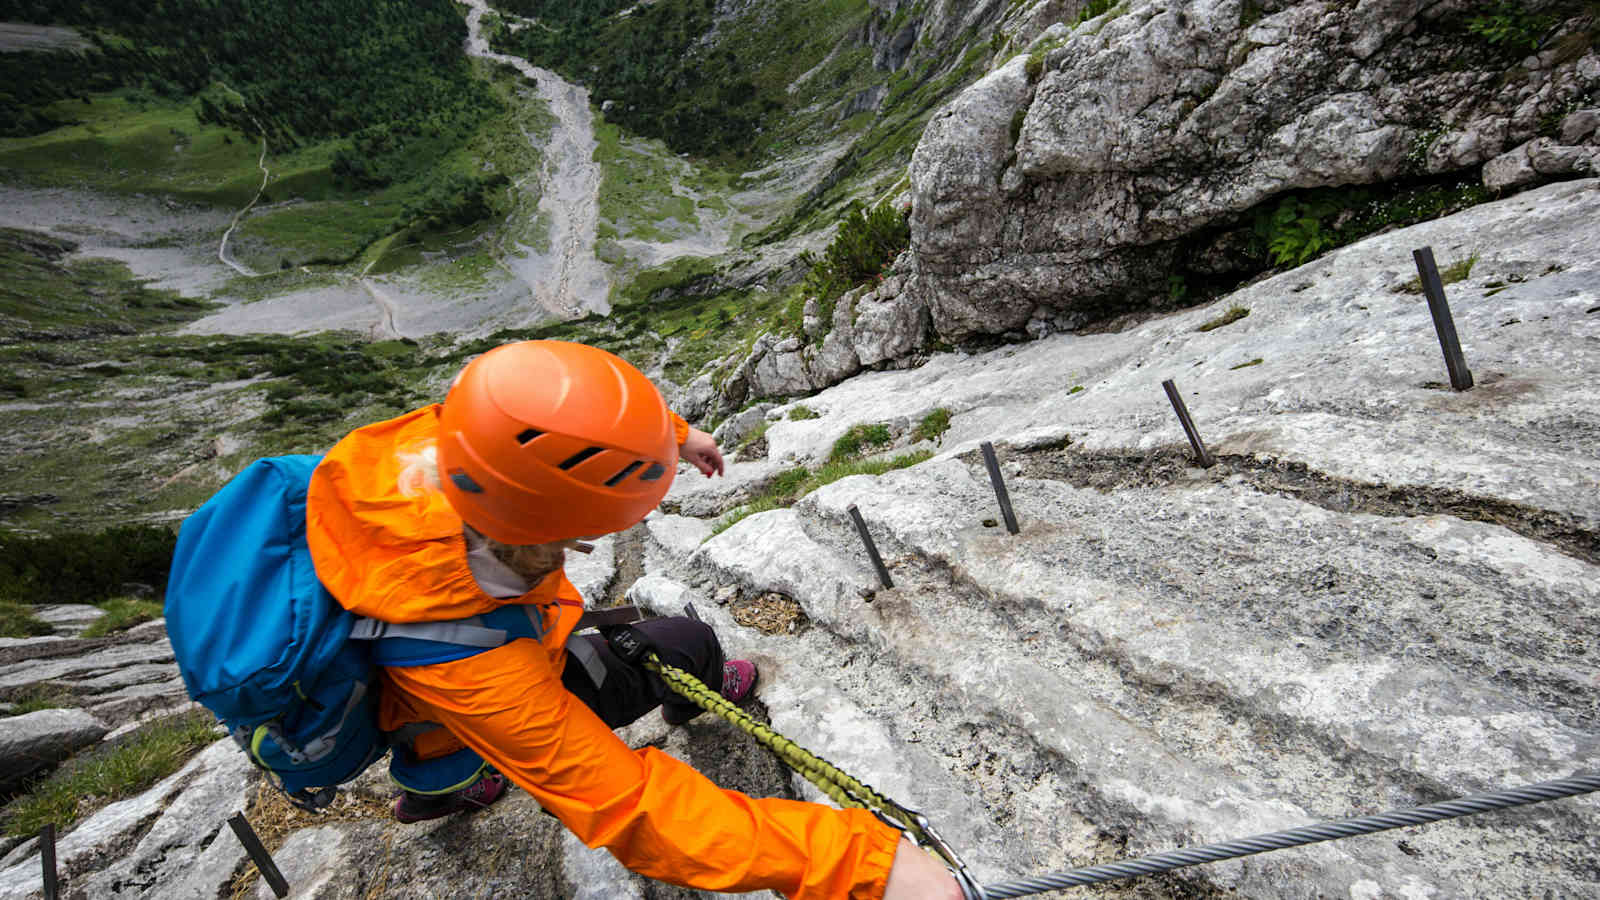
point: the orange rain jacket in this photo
(403, 559)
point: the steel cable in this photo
(1294, 837)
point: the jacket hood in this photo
(381, 553)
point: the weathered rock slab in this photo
(1068, 193)
(38, 740)
(1382, 595)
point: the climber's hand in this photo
(917, 876)
(700, 450)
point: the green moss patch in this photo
(1459, 270)
(123, 613)
(933, 425)
(859, 439)
(87, 783)
(788, 486)
(17, 620)
(1233, 314)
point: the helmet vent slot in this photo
(464, 482)
(655, 471)
(580, 456)
(628, 470)
(528, 435)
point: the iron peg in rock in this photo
(47, 862)
(999, 483)
(258, 853)
(872, 549)
(1454, 360)
(1201, 456)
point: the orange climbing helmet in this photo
(547, 440)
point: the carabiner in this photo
(969, 885)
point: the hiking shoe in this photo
(422, 807)
(738, 679)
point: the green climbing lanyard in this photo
(844, 789)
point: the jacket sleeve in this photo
(680, 427)
(656, 815)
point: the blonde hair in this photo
(419, 474)
(419, 469)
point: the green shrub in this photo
(83, 784)
(801, 413)
(456, 200)
(863, 248)
(85, 567)
(1033, 68)
(1294, 228)
(933, 426)
(857, 440)
(11, 385)
(1177, 288)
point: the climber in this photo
(465, 508)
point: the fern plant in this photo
(1511, 26)
(1294, 232)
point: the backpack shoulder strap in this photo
(466, 632)
(426, 643)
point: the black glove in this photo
(628, 642)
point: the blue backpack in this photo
(264, 646)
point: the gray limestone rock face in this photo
(108, 836)
(1539, 160)
(1156, 121)
(38, 740)
(697, 398)
(118, 679)
(731, 432)
(889, 324)
(69, 619)
(1580, 126)
(591, 573)
(316, 863)
(189, 851)
(870, 325)
(1384, 594)
(22, 849)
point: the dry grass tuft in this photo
(274, 818)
